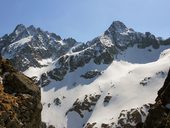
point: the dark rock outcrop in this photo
(44, 80)
(159, 113)
(129, 118)
(107, 100)
(91, 74)
(20, 105)
(86, 105)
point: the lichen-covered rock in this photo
(20, 105)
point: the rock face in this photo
(19, 99)
(30, 45)
(159, 113)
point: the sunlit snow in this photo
(121, 80)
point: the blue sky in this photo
(86, 19)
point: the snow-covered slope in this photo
(145, 55)
(76, 102)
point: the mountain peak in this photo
(19, 28)
(32, 30)
(31, 27)
(117, 26)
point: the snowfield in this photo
(129, 86)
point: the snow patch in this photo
(12, 48)
(45, 61)
(106, 41)
(20, 43)
(137, 55)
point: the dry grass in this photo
(7, 101)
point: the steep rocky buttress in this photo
(20, 105)
(159, 113)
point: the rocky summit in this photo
(110, 81)
(20, 105)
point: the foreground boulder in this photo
(20, 105)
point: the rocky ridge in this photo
(104, 49)
(30, 46)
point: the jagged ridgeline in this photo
(26, 46)
(20, 105)
(109, 81)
